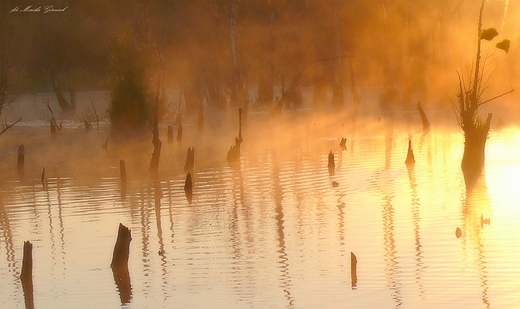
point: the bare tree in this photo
(468, 107)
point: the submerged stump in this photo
(26, 275)
(190, 160)
(410, 158)
(119, 263)
(179, 133)
(331, 165)
(343, 143)
(122, 172)
(424, 119)
(169, 134)
(43, 179)
(353, 269)
(233, 154)
(20, 163)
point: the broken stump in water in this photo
(343, 143)
(20, 163)
(353, 269)
(26, 275)
(425, 122)
(233, 154)
(119, 263)
(122, 172)
(190, 160)
(170, 134)
(122, 247)
(410, 159)
(331, 164)
(179, 133)
(44, 181)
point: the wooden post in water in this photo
(119, 263)
(179, 133)
(233, 154)
(26, 275)
(343, 143)
(170, 134)
(425, 122)
(331, 164)
(353, 269)
(20, 164)
(122, 247)
(44, 179)
(410, 159)
(122, 172)
(190, 160)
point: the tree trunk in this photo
(119, 263)
(474, 150)
(26, 275)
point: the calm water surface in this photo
(272, 232)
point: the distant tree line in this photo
(216, 49)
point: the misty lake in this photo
(271, 232)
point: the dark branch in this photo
(496, 97)
(8, 126)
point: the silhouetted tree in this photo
(469, 102)
(129, 106)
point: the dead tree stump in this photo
(353, 269)
(26, 275)
(233, 154)
(190, 160)
(20, 164)
(425, 122)
(122, 172)
(410, 159)
(179, 133)
(44, 181)
(331, 165)
(170, 134)
(119, 263)
(122, 247)
(343, 143)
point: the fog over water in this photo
(279, 213)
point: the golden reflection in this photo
(419, 265)
(7, 233)
(475, 208)
(145, 228)
(392, 267)
(283, 258)
(389, 131)
(26, 275)
(158, 194)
